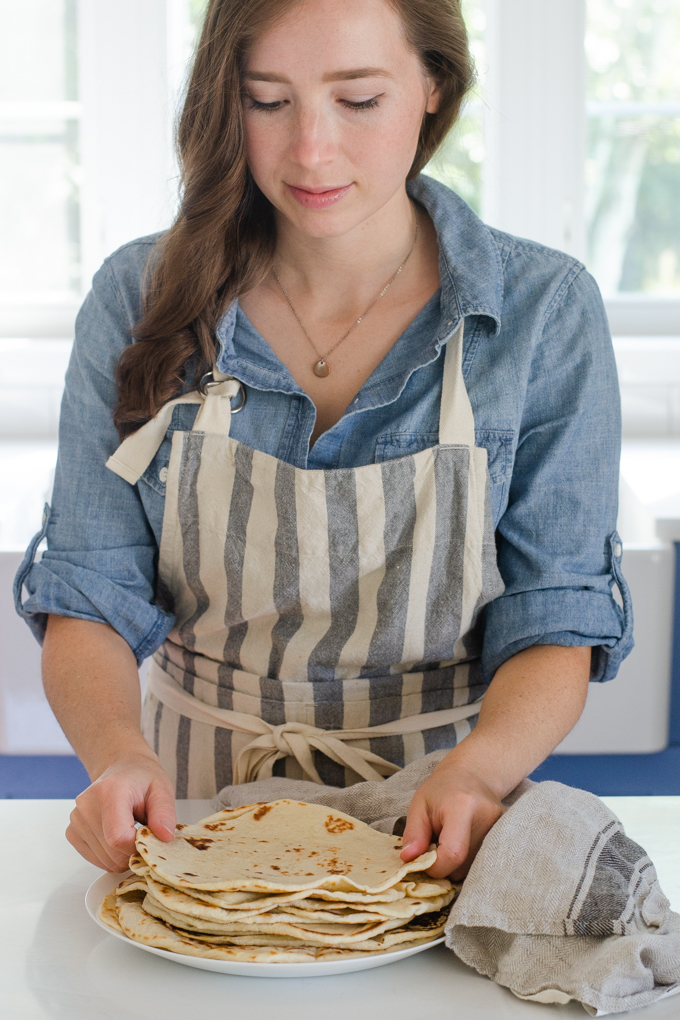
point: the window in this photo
(40, 221)
(633, 154)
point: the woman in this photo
(408, 382)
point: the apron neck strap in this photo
(135, 453)
(456, 421)
(218, 391)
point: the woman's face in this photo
(333, 104)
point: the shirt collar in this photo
(470, 280)
(470, 271)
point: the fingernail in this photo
(407, 846)
(169, 828)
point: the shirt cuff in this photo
(66, 590)
(559, 616)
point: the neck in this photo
(358, 262)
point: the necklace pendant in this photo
(322, 369)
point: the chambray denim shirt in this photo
(539, 368)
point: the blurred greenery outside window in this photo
(460, 160)
(633, 154)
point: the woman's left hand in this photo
(454, 808)
(531, 704)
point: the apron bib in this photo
(327, 621)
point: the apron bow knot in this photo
(298, 740)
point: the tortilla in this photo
(140, 927)
(324, 933)
(108, 913)
(268, 848)
(177, 901)
(395, 937)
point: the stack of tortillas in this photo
(278, 882)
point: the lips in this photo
(318, 198)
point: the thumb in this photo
(161, 816)
(417, 831)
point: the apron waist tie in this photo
(296, 740)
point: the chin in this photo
(323, 223)
(321, 230)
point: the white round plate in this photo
(108, 882)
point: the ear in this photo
(433, 98)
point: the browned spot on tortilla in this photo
(180, 827)
(198, 842)
(144, 831)
(190, 874)
(261, 812)
(218, 827)
(275, 867)
(335, 825)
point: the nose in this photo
(314, 141)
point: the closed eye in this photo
(366, 104)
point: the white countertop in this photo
(55, 962)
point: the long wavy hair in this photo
(222, 241)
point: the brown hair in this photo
(222, 242)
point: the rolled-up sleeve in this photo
(558, 550)
(101, 553)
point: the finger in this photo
(83, 849)
(417, 831)
(87, 819)
(110, 858)
(117, 826)
(84, 835)
(479, 830)
(160, 810)
(454, 840)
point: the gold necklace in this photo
(321, 368)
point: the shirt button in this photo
(163, 475)
(618, 550)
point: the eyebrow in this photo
(350, 75)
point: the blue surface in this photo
(41, 776)
(616, 775)
(604, 774)
(675, 669)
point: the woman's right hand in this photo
(134, 789)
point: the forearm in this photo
(534, 700)
(91, 681)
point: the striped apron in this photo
(327, 622)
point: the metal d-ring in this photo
(208, 381)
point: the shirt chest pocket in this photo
(497, 442)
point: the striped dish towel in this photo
(560, 904)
